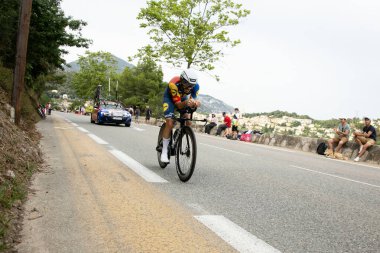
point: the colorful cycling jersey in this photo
(174, 92)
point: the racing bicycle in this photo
(182, 145)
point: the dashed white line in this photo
(237, 237)
(138, 129)
(331, 175)
(229, 150)
(97, 139)
(74, 124)
(137, 167)
(83, 130)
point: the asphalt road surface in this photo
(280, 199)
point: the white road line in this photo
(68, 120)
(237, 237)
(97, 139)
(64, 128)
(352, 163)
(138, 129)
(83, 130)
(331, 175)
(137, 167)
(76, 125)
(229, 150)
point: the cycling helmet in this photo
(189, 78)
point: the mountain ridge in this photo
(120, 63)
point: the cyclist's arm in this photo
(194, 95)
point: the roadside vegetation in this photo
(20, 156)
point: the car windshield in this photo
(112, 106)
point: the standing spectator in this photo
(130, 110)
(342, 134)
(225, 126)
(148, 114)
(235, 123)
(137, 114)
(48, 107)
(365, 139)
(213, 122)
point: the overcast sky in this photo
(315, 57)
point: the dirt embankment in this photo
(20, 156)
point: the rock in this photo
(306, 147)
(10, 174)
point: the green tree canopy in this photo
(95, 69)
(190, 31)
(143, 86)
(50, 29)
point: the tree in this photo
(50, 30)
(190, 31)
(95, 69)
(295, 123)
(143, 85)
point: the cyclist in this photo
(182, 92)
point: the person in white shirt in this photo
(213, 122)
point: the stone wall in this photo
(305, 144)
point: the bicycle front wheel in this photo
(186, 154)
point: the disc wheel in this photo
(186, 154)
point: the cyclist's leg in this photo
(168, 107)
(186, 115)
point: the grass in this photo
(11, 191)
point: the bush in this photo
(6, 79)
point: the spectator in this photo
(365, 139)
(342, 134)
(48, 107)
(148, 114)
(213, 122)
(137, 114)
(225, 126)
(235, 123)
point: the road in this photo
(280, 199)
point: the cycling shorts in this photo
(169, 106)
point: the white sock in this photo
(165, 144)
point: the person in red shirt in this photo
(226, 126)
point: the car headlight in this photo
(127, 114)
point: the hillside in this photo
(121, 65)
(20, 157)
(213, 105)
(278, 114)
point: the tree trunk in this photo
(22, 47)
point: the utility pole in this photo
(22, 48)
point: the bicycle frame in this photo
(174, 139)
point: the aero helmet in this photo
(189, 77)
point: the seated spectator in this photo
(342, 134)
(213, 122)
(225, 126)
(365, 139)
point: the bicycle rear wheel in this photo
(186, 154)
(159, 147)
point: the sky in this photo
(314, 57)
